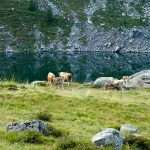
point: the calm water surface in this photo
(85, 66)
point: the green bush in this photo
(68, 142)
(10, 85)
(32, 5)
(65, 143)
(44, 116)
(137, 142)
(54, 132)
(49, 16)
(25, 137)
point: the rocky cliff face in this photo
(90, 25)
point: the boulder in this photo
(35, 125)
(108, 137)
(39, 83)
(127, 128)
(102, 81)
(140, 79)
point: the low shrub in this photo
(137, 142)
(45, 116)
(55, 132)
(68, 142)
(10, 85)
(32, 5)
(25, 137)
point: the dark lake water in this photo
(85, 66)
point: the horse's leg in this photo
(62, 86)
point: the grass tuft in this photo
(9, 84)
(55, 132)
(44, 116)
(137, 142)
(69, 142)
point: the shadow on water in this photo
(85, 66)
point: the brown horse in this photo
(67, 76)
(50, 77)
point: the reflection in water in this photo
(85, 66)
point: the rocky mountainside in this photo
(87, 25)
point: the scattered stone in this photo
(108, 45)
(127, 128)
(35, 125)
(117, 49)
(108, 137)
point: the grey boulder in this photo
(108, 137)
(140, 79)
(100, 82)
(35, 125)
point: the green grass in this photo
(78, 113)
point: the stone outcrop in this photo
(35, 125)
(140, 79)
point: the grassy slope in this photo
(79, 110)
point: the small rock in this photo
(127, 128)
(117, 49)
(130, 41)
(108, 45)
(108, 137)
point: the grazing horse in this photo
(58, 81)
(50, 77)
(67, 76)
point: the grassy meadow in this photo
(74, 115)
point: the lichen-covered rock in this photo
(127, 128)
(35, 125)
(108, 137)
(100, 82)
